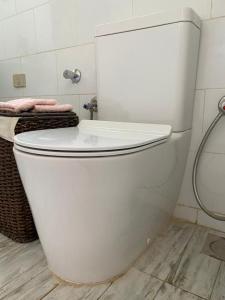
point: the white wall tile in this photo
(18, 35)
(62, 24)
(207, 221)
(43, 96)
(6, 99)
(211, 71)
(22, 5)
(216, 141)
(83, 58)
(218, 8)
(7, 68)
(144, 7)
(41, 74)
(2, 48)
(210, 179)
(56, 25)
(186, 196)
(186, 213)
(74, 100)
(7, 8)
(197, 123)
(91, 13)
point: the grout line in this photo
(48, 2)
(197, 215)
(52, 95)
(57, 70)
(192, 294)
(15, 5)
(180, 258)
(186, 292)
(208, 227)
(163, 282)
(22, 11)
(204, 113)
(172, 274)
(48, 51)
(213, 18)
(166, 280)
(157, 291)
(132, 4)
(213, 152)
(104, 291)
(200, 210)
(21, 70)
(216, 277)
(209, 89)
(186, 206)
(49, 292)
(211, 8)
(35, 31)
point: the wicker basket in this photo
(16, 221)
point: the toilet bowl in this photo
(101, 192)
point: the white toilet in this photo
(101, 192)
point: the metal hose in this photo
(196, 163)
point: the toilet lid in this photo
(93, 137)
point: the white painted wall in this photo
(44, 37)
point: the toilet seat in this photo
(93, 138)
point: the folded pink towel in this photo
(20, 105)
(53, 108)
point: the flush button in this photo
(19, 80)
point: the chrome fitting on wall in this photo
(221, 105)
(92, 106)
(74, 75)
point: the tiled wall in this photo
(210, 88)
(42, 38)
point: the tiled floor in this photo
(173, 268)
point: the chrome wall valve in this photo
(74, 75)
(92, 106)
(221, 105)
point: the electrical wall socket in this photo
(19, 80)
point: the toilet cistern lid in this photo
(93, 136)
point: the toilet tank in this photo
(146, 69)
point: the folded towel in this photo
(7, 127)
(53, 108)
(20, 105)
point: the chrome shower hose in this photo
(221, 113)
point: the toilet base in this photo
(76, 284)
